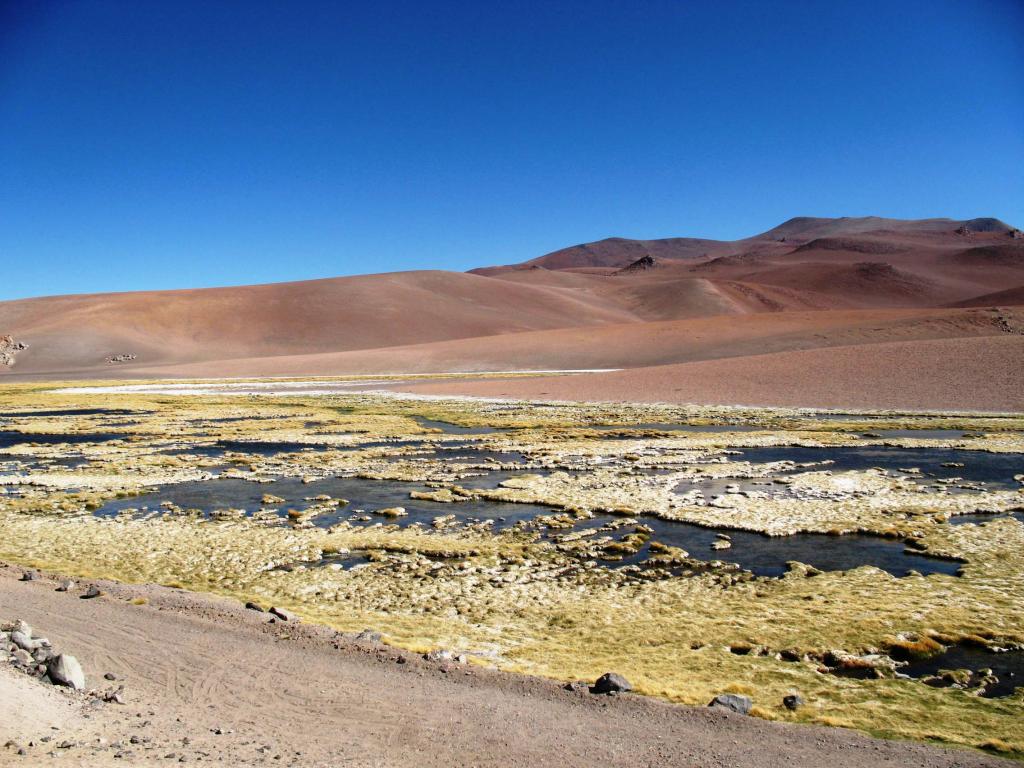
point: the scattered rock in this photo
(66, 586)
(577, 686)
(9, 348)
(114, 697)
(611, 682)
(122, 358)
(793, 702)
(93, 591)
(368, 636)
(642, 264)
(65, 670)
(254, 606)
(282, 614)
(439, 655)
(28, 576)
(734, 702)
(24, 641)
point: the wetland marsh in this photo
(870, 563)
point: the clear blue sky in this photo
(175, 144)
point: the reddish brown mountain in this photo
(810, 283)
(831, 234)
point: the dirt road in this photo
(208, 681)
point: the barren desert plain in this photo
(414, 518)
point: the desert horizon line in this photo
(991, 220)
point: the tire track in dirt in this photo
(208, 679)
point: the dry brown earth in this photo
(780, 299)
(206, 680)
(981, 374)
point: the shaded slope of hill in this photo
(625, 345)
(809, 283)
(69, 332)
(618, 252)
(1011, 297)
(862, 283)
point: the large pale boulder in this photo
(65, 670)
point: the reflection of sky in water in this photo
(763, 555)
(8, 438)
(994, 469)
(769, 555)
(1008, 667)
(760, 554)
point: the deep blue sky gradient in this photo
(177, 144)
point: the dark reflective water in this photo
(262, 448)
(362, 494)
(342, 561)
(995, 469)
(70, 412)
(838, 416)
(491, 480)
(269, 448)
(769, 555)
(661, 426)
(1008, 667)
(453, 429)
(984, 517)
(763, 555)
(466, 455)
(18, 438)
(920, 434)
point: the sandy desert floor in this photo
(935, 375)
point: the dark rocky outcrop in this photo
(611, 682)
(793, 702)
(642, 264)
(734, 702)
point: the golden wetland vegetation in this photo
(541, 537)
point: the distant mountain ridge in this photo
(620, 252)
(610, 304)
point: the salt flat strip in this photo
(300, 387)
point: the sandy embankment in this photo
(976, 374)
(30, 711)
(207, 680)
